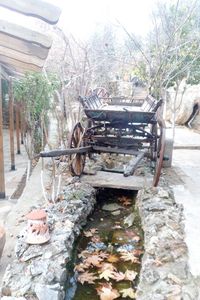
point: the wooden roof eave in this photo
(25, 34)
(35, 8)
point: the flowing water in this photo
(110, 238)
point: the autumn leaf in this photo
(94, 260)
(107, 266)
(126, 256)
(84, 254)
(106, 292)
(128, 293)
(90, 232)
(81, 267)
(106, 274)
(96, 239)
(113, 258)
(87, 277)
(125, 201)
(103, 255)
(130, 275)
(118, 276)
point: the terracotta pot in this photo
(37, 227)
(2, 239)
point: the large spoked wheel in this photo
(77, 160)
(159, 155)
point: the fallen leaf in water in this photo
(103, 254)
(128, 293)
(112, 258)
(118, 276)
(126, 256)
(125, 201)
(81, 267)
(106, 266)
(84, 254)
(87, 277)
(106, 292)
(94, 260)
(90, 232)
(106, 274)
(130, 275)
(96, 239)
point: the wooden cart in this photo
(117, 125)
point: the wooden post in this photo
(17, 128)
(11, 125)
(22, 124)
(2, 179)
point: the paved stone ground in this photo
(12, 178)
(185, 183)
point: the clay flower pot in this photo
(37, 228)
(2, 239)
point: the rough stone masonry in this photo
(39, 271)
(165, 274)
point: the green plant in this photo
(34, 92)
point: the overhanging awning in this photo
(22, 49)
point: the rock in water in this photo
(2, 239)
(129, 220)
(111, 207)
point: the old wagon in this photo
(119, 125)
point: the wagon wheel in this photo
(101, 92)
(159, 156)
(77, 160)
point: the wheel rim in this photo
(77, 160)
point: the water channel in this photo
(107, 256)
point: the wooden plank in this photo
(116, 181)
(59, 152)
(11, 125)
(17, 65)
(35, 8)
(2, 179)
(13, 54)
(132, 165)
(23, 46)
(25, 34)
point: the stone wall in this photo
(164, 274)
(39, 271)
(187, 96)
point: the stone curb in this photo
(165, 274)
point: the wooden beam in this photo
(35, 8)
(58, 152)
(2, 179)
(24, 58)
(17, 127)
(11, 125)
(23, 46)
(25, 34)
(132, 165)
(17, 65)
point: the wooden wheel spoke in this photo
(77, 160)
